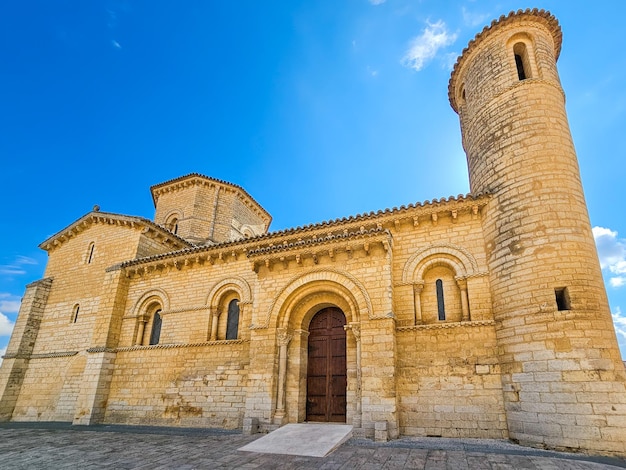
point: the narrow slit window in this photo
(521, 74)
(562, 298)
(232, 325)
(92, 246)
(155, 335)
(75, 313)
(441, 309)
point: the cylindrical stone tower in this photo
(563, 378)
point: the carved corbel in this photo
(416, 221)
(434, 217)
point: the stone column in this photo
(215, 316)
(141, 329)
(284, 337)
(355, 328)
(417, 296)
(462, 283)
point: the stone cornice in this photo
(443, 326)
(194, 179)
(427, 213)
(539, 16)
(223, 342)
(322, 245)
(417, 213)
(149, 228)
(40, 355)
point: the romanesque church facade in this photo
(482, 316)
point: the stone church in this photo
(477, 316)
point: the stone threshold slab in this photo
(306, 439)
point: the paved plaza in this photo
(61, 446)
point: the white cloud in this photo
(474, 19)
(617, 281)
(424, 47)
(11, 270)
(619, 319)
(612, 254)
(377, 2)
(16, 268)
(116, 44)
(2, 353)
(21, 260)
(6, 325)
(10, 306)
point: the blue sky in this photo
(319, 109)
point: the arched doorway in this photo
(326, 370)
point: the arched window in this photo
(232, 323)
(521, 61)
(155, 335)
(75, 313)
(172, 224)
(90, 250)
(441, 308)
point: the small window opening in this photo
(441, 309)
(155, 335)
(90, 255)
(75, 313)
(520, 67)
(172, 225)
(232, 324)
(562, 298)
(521, 61)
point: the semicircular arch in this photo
(152, 296)
(455, 257)
(236, 284)
(323, 287)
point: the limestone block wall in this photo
(50, 389)
(78, 284)
(193, 206)
(449, 382)
(180, 386)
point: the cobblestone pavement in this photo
(61, 446)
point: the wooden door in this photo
(326, 374)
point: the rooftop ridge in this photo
(307, 228)
(92, 215)
(155, 187)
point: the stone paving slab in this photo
(308, 439)
(36, 446)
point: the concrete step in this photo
(308, 439)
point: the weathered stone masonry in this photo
(478, 316)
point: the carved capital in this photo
(355, 328)
(284, 336)
(418, 287)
